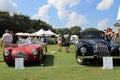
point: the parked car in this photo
(73, 39)
(31, 52)
(93, 46)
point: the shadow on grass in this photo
(47, 61)
(99, 63)
(2, 61)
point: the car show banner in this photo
(107, 63)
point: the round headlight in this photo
(119, 49)
(7, 53)
(83, 50)
(34, 52)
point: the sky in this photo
(98, 14)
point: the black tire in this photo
(79, 60)
(10, 64)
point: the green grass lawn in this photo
(58, 66)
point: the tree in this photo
(21, 23)
(63, 31)
(4, 21)
(75, 30)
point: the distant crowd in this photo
(10, 39)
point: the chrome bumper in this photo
(92, 57)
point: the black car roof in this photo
(92, 34)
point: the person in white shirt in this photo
(6, 39)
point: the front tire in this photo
(79, 60)
(10, 64)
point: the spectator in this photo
(15, 38)
(117, 32)
(29, 38)
(6, 39)
(42, 39)
(20, 40)
(46, 40)
(63, 41)
(109, 34)
(59, 42)
(67, 42)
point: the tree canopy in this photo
(21, 23)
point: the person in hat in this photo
(6, 39)
(109, 34)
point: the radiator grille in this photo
(101, 50)
(21, 55)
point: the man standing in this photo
(67, 42)
(15, 38)
(6, 39)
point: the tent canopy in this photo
(49, 32)
(43, 32)
(22, 34)
(39, 33)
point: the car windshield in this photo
(92, 34)
(24, 42)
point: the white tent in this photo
(43, 32)
(19, 34)
(39, 33)
(49, 32)
(22, 34)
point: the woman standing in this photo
(59, 42)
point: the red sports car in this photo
(31, 53)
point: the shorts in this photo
(67, 44)
(7, 44)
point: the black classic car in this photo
(92, 46)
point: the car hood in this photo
(26, 48)
(93, 41)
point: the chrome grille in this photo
(21, 55)
(101, 50)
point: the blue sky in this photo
(67, 13)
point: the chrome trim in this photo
(101, 50)
(92, 57)
(21, 55)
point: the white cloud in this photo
(105, 4)
(8, 5)
(42, 13)
(76, 20)
(60, 5)
(102, 24)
